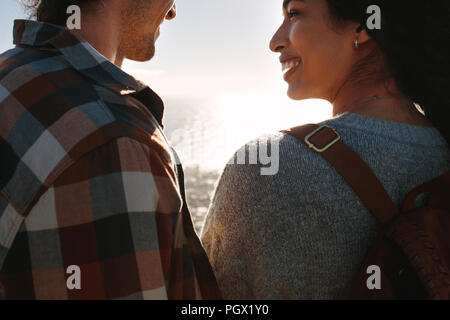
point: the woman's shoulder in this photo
(263, 155)
(366, 126)
(391, 149)
(267, 166)
(357, 131)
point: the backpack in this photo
(412, 251)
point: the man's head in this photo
(137, 20)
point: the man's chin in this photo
(140, 59)
(142, 56)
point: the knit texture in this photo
(303, 233)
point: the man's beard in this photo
(134, 45)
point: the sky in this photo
(221, 84)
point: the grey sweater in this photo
(303, 233)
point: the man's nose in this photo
(279, 40)
(172, 13)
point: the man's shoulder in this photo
(50, 116)
(42, 84)
(30, 62)
(39, 89)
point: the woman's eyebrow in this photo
(286, 2)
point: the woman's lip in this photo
(284, 59)
(288, 74)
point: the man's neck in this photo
(102, 30)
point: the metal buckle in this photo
(313, 146)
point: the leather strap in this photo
(351, 167)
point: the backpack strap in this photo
(327, 142)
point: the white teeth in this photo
(288, 65)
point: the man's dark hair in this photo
(415, 41)
(54, 11)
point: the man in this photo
(92, 202)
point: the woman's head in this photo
(412, 49)
(317, 57)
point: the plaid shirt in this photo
(87, 178)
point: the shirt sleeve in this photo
(104, 230)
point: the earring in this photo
(356, 43)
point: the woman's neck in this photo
(392, 106)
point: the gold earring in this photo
(356, 43)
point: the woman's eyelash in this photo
(293, 13)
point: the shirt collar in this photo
(85, 59)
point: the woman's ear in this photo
(362, 35)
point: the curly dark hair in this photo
(54, 11)
(415, 41)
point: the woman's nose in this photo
(279, 40)
(172, 13)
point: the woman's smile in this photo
(290, 67)
(289, 64)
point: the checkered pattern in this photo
(88, 179)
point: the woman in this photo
(303, 233)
